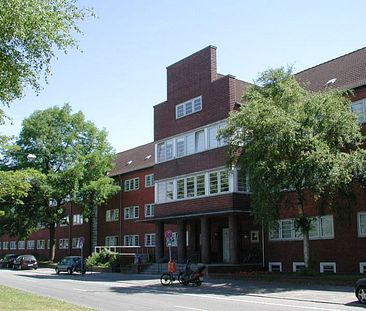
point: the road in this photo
(113, 291)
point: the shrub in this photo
(105, 258)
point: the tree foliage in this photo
(292, 141)
(30, 33)
(74, 158)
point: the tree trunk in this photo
(304, 226)
(52, 249)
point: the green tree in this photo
(74, 158)
(294, 144)
(30, 32)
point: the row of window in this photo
(324, 267)
(190, 143)
(134, 183)
(132, 212)
(201, 184)
(40, 244)
(77, 219)
(188, 107)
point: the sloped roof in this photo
(134, 159)
(344, 72)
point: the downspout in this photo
(263, 247)
(120, 211)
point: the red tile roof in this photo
(134, 159)
(347, 72)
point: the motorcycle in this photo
(192, 274)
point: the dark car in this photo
(360, 290)
(71, 264)
(25, 262)
(7, 260)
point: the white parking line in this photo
(187, 308)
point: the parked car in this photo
(25, 262)
(360, 290)
(7, 260)
(71, 264)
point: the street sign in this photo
(168, 234)
(169, 242)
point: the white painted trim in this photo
(323, 264)
(271, 264)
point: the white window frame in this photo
(150, 239)
(297, 265)
(131, 184)
(131, 212)
(30, 244)
(112, 215)
(131, 240)
(75, 243)
(149, 210)
(111, 238)
(41, 244)
(361, 234)
(13, 245)
(360, 117)
(6, 245)
(149, 180)
(63, 243)
(182, 109)
(21, 244)
(273, 264)
(77, 219)
(325, 264)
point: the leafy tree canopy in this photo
(289, 138)
(30, 32)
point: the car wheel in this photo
(69, 270)
(57, 271)
(361, 294)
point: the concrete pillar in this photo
(192, 237)
(205, 240)
(159, 240)
(182, 241)
(234, 239)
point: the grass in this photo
(13, 299)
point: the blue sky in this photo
(121, 73)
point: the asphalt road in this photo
(113, 291)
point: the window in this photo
(30, 244)
(181, 186)
(214, 184)
(150, 239)
(359, 109)
(321, 228)
(149, 180)
(190, 187)
(64, 221)
(76, 243)
(361, 221)
(243, 182)
(254, 236)
(188, 107)
(6, 245)
(13, 245)
(41, 244)
(199, 141)
(362, 267)
(132, 184)
(275, 266)
(149, 210)
(219, 182)
(112, 215)
(212, 133)
(201, 185)
(77, 219)
(131, 212)
(21, 244)
(111, 240)
(63, 243)
(131, 240)
(224, 181)
(180, 146)
(169, 190)
(161, 152)
(328, 267)
(297, 266)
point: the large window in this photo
(63, 243)
(41, 244)
(359, 108)
(76, 243)
(150, 239)
(30, 244)
(203, 184)
(188, 107)
(189, 143)
(131, 212)
(131, 240)
(361, 220)
(285, 229)
(112, 214)
(132, 184)
(21, 245)
(13, 245)
(77, 219)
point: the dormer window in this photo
(188, 107)
(129, 162)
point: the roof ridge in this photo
(138, 147)
(331, 60)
